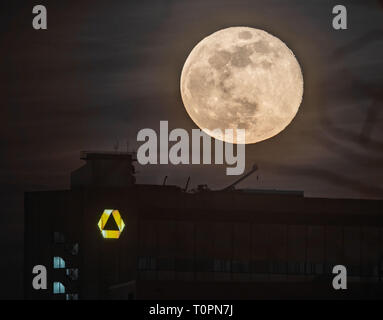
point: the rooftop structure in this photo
(204, 244)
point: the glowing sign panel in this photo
(113, 214)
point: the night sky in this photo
(104, 70)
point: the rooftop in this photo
(91, 155)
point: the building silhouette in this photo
(230, 244)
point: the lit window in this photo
(58, 263)
(58, 288)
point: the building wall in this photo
(47, 214)
(222, 251)
(173, 236)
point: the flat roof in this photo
(272, 191)
(91, 155)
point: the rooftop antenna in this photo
(232, 186)
(187, 184)
(116, 146)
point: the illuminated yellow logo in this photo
(105, 219)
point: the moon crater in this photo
(242, 78)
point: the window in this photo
(58, 288)
(260, 267)
(353, 270)
(278, 267)
(204, 265)
(72, 273)
(74, 250)
(369, 270)
(58, 263)
(184, 264)
(310, 268)
(71, 296)
(297, 268)
(241, 266)
(222, 265)
(165, 263)
(319, 268)
(147, 263)
(58, 237)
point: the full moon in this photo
(242, 78)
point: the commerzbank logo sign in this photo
(111, 224)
